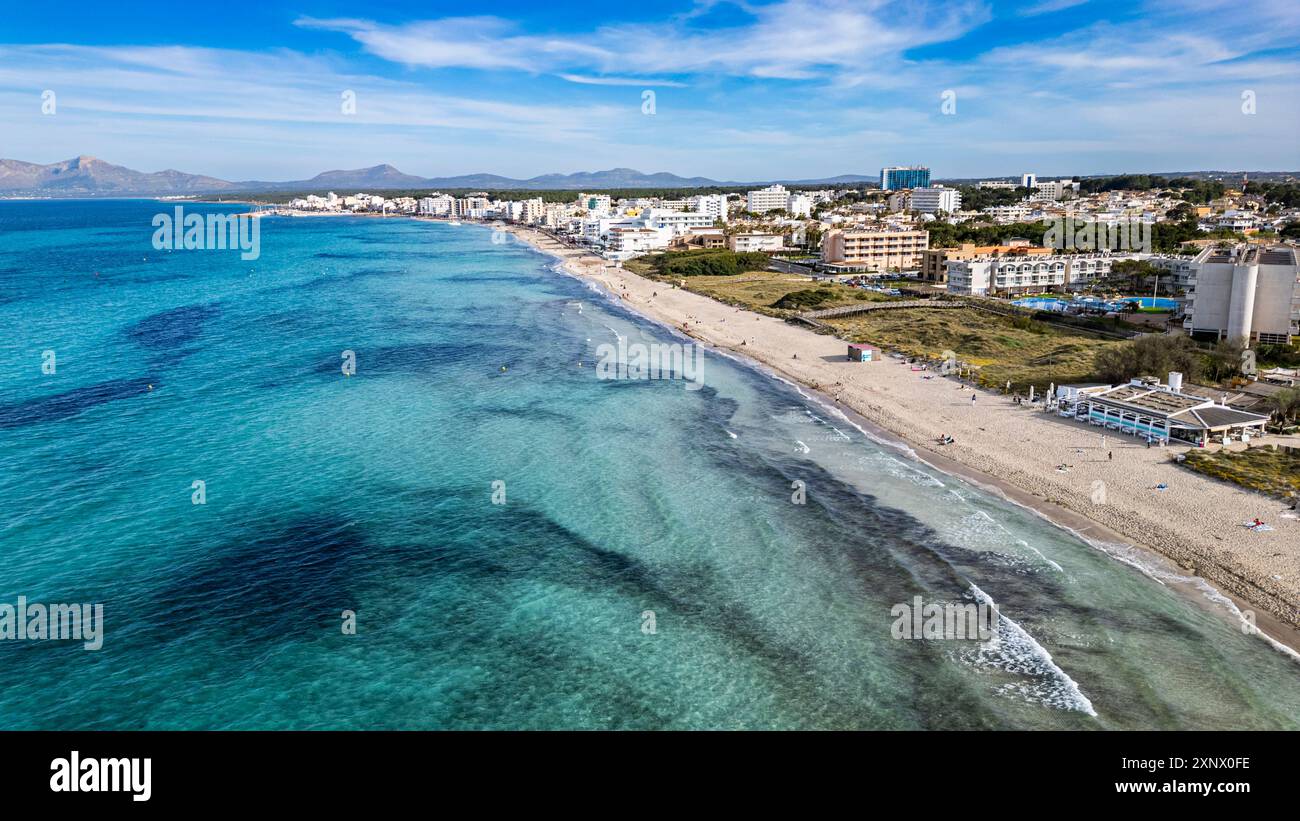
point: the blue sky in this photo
(743, 90)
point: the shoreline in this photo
(1184, 562)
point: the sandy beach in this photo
(1196, 522)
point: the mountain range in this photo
(87, 176)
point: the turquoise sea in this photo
(374, 493)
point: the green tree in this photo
(1285, 404)
(1224, 359)
(1151, 355)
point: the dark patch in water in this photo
(150, 280)
(490, 278)
(70, 403)
(525, 545)
(532, 412)
(267, 585)
(171, 329)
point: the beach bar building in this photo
(1146, 408)
(863, 353)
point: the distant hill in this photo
(88, 176)
(376, 178)
(1224, 176)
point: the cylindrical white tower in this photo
(1241, 308)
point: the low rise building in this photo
(742, 243)
(1014, 274)
(1147, 409)
(934, 260)
(625, 242)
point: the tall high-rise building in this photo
(894, 177)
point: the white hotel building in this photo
(936, 200)
(627, 241)
(1248, 292)
(1022, 274)
(715, 205)
(742, 243)
(777, 198)
(680, 221)
(439, 206)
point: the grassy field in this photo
(1275, 472)
(759, 290)
(1005, 348)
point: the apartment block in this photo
(934, 260)
(936, 200)
(772, 198)
(874, 250)
(1022, 273)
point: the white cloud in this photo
(1049, 6)
(850, 95)
(619, 81)
(793, 40)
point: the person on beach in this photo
(1110, 456)
(972, 397)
